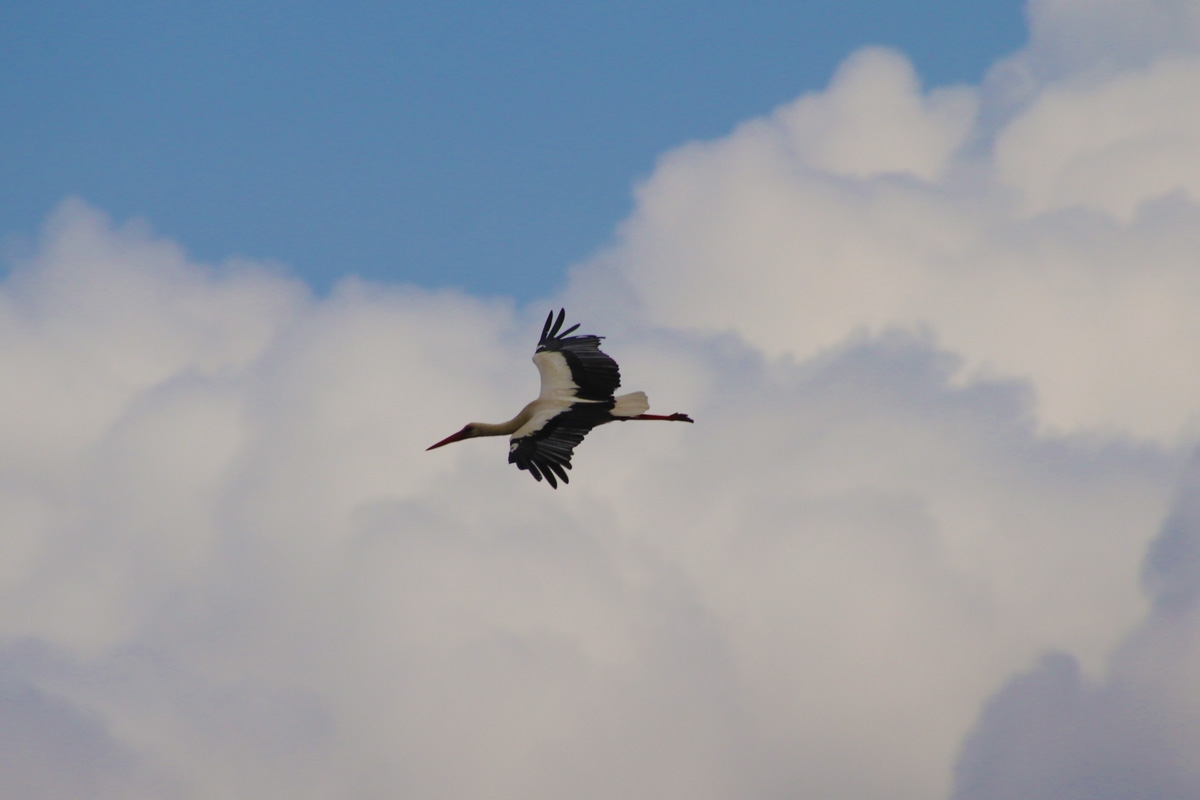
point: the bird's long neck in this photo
(504, 428)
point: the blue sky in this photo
(461, 144)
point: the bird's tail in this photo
(630, 405)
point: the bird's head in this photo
(469, 431)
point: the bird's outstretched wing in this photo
(546, 452)
(574, 365)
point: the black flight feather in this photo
(593, 371)
(547, 452)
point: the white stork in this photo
(578, 382)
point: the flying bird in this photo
(578, 382)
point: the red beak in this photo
(454, 437)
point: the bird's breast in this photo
(542, 411)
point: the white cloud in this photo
(1111, 146)
(874, 121)
(1059, 248)
(251, 578)
(1052, 733)
(1081, 38)
(942, 368)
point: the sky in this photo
(476, 145)
(935, 534)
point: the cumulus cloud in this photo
(1056, 246)
(245, 575)
(941, 357)
(1051, 733)
(1075, 39)
(1110, 147)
